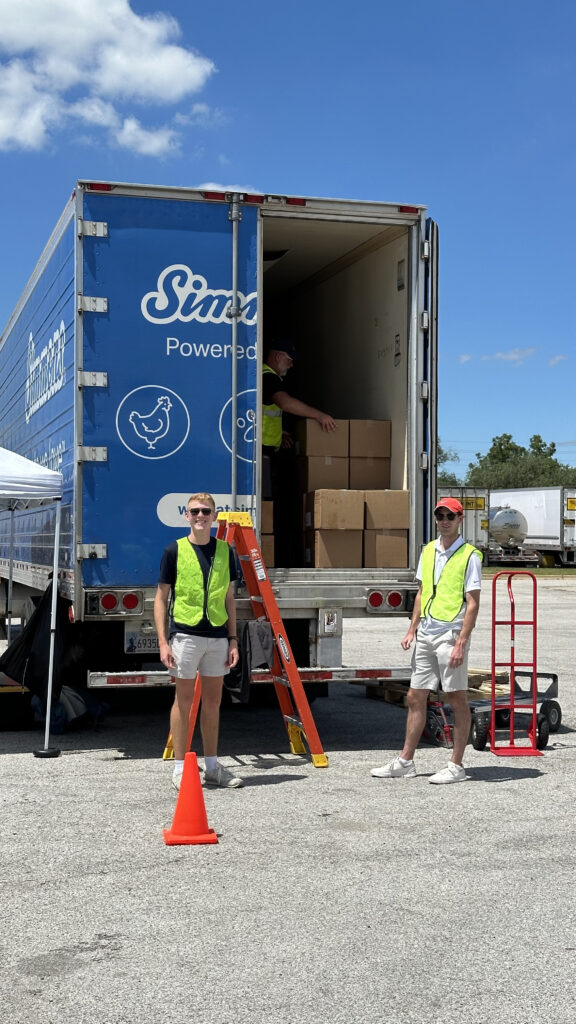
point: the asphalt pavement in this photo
(330, 896)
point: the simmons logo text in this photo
(45, 371)
(183, 295)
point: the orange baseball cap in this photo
(452, 504)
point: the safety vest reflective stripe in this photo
(271, 421)
(443, 600)
(190, 602)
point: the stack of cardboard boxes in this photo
(350, 518)
(355, 455)
(349, 529)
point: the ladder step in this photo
(294, 720)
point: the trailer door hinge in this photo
(424, 390)
(92, 229)
(425, 249)
(92, 453)
(424, 320)
(92, 304)
(92, 379)
(424, 460)
(91, 551)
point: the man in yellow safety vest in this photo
(197, 572)
(444, 615)
(278, 464)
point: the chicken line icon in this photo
(152, 426)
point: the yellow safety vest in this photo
(272, 421)
(190, 600)
(443, 600)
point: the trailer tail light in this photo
(293, 201)
(130, 601)
(408, 209)
(380, 601)
(99, 186)
(108, 602)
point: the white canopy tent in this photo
(25, 484)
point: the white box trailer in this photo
(550, 514)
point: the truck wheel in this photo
(503, 718)
(542, 732)
(553, 712)
(479, 732)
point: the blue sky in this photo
(467, 108)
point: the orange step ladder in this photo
(236, 529)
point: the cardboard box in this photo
(333, 549)
(387, 510)
(370, 439)
(334, 510)
(267, 549)
(267, 517)
(316, 472)
(312, 440)
(369, 473)
(385, 549)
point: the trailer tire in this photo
(479, 731)
(503, 718)
(553, 713)
(542, 732)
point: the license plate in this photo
(138, 642)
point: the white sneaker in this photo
(176, 778)
(451, 773)
(395, 770)
(222, 777)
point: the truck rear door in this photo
(155, 417)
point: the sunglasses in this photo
(447, 515)
(197, 511)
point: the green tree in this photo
(507, 464)
(444, 478)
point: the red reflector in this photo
(291, 201)
(221, 196)
(375, 599)
(248, 198)
(99, 186)
(130, 601)
(408, 209)
(394, 600)
(108, 601)
(71, 614)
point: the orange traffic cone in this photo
(190, 824)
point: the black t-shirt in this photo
(168, 567)
(271, 383)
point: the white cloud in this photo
(556, 359)
(514, 355)
(464, 358)
(131, 135)
(72, 59)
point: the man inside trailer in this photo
(279, 481)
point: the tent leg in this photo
(10, 581)
(47, 750)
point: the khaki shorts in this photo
(430, 664)
(204, 654)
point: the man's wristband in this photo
(232, 637)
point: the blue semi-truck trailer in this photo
(132, 364)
